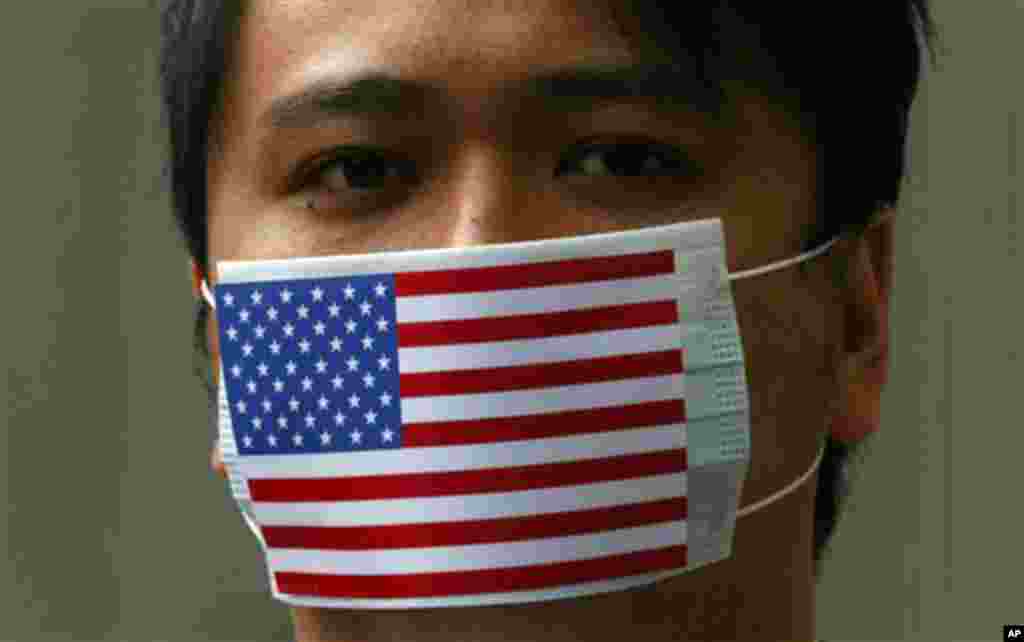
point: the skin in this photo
(815, 347)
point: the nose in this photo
(487, 198)
(497, 196)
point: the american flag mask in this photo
(487, 425)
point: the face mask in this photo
(487, 425)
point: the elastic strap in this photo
(778, 265)
(207, 295)
(746, 510)
(879, 217)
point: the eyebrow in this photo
(573, 89)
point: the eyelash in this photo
(672, 162)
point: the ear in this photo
(865, 360)
(197, 279)
(216, 460)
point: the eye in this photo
(356, 180)
(629, 159)
(360, 179)
(358, 169)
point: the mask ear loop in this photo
(207, 295)
(884, 215)
(777, 495)
(806, 256)
(244, 505)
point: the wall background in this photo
(115, 528)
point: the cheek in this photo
(789, 345)
(789, 350)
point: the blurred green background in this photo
(117, 530)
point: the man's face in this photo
(470, 162)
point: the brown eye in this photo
(362, 170)
(355, 180)
(628, 160)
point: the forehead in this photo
(470, 46)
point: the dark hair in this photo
(855, 67)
